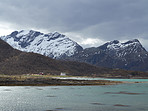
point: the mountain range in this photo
(130, 55)
(15, 62)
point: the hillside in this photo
(6, 51)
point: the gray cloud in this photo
(102, 19)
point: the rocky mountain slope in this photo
(53, 45)
(130, 55)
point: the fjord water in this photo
(123, 97)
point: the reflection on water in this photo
(123, 92)
(50, 96)
(97, 104)
(7, 90)
(123, 97)
(121, 105)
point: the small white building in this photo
(63, 74)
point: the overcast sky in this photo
(88, 22)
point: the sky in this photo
(88, 22)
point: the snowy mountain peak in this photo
(121, 50)
(116, 45)
(53, 44)
(134, 41)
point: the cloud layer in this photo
(100, 20)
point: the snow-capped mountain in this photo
(130, 55)
(121, 50)
(54, 44)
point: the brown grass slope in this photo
(25, 63)
(14, 62)
(6, 51)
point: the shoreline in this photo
(58, 82)
(17, 80)
(48, 80)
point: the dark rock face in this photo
(130, 55)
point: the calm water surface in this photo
(124, 97)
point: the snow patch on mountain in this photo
(22, 33)
(116, 45)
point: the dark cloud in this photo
(102, 19)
